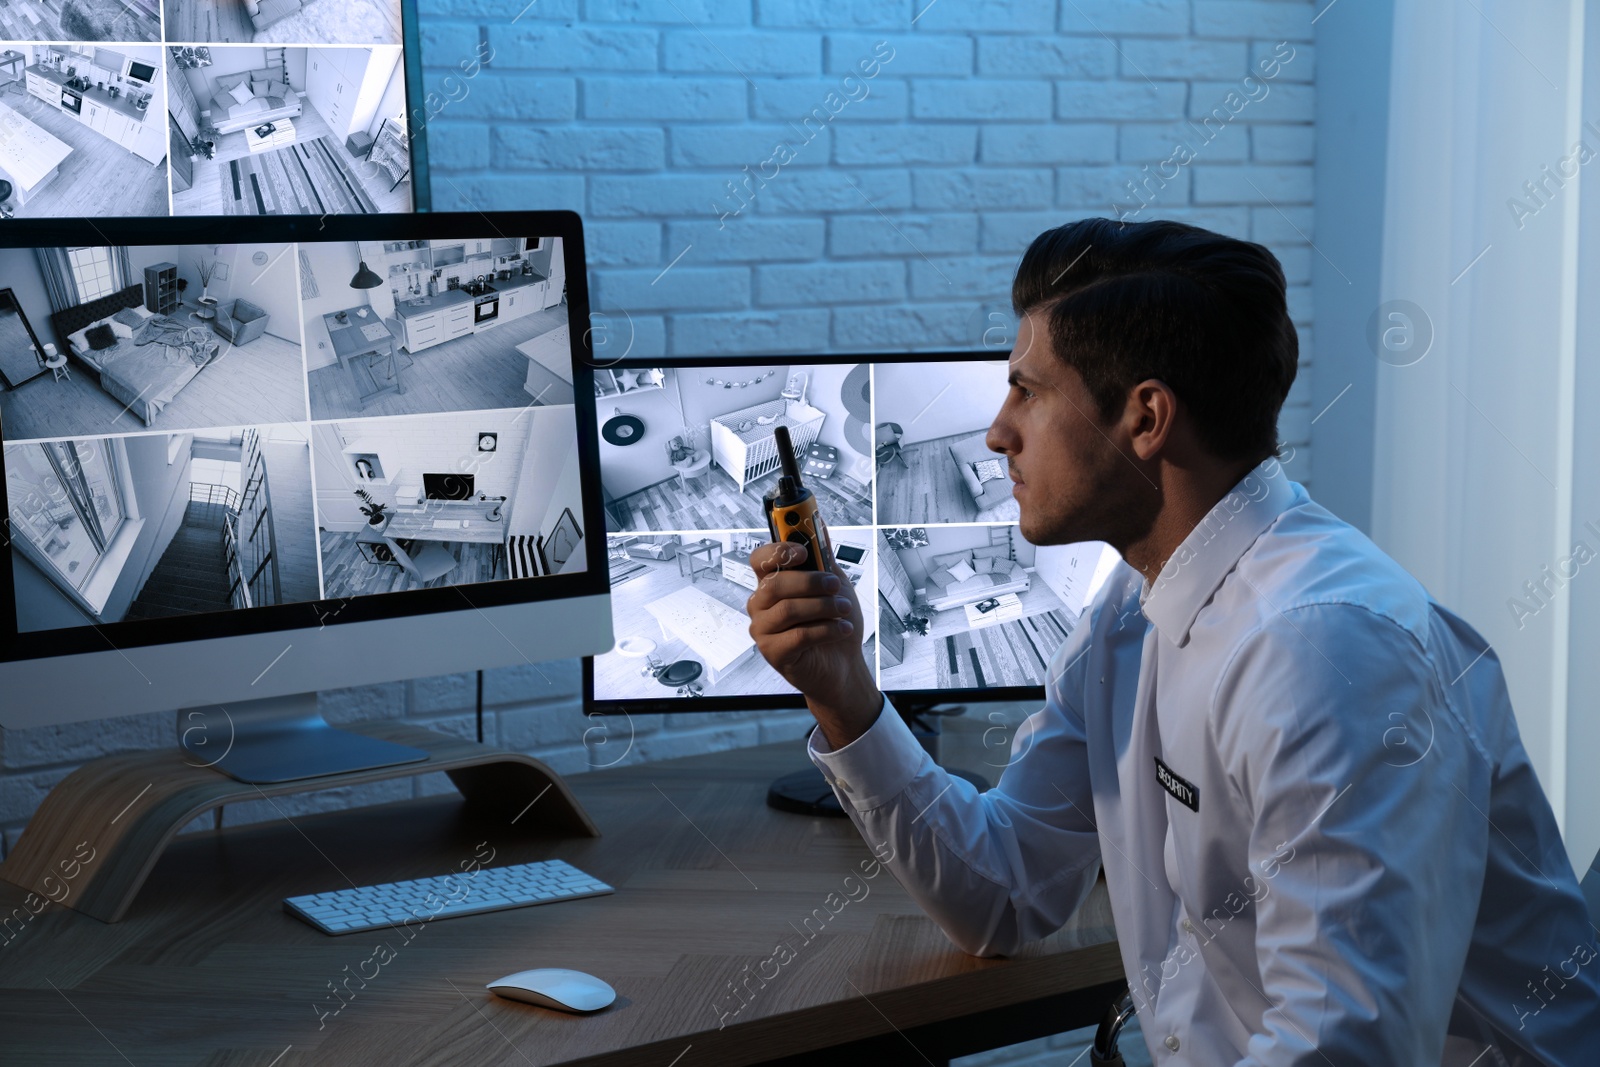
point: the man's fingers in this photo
(775, 556)
(796, 611)
(782, 585)
(780, 649)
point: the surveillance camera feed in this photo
(919, 511)
(208, 428)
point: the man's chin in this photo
(1038, 532)
(1039, 529)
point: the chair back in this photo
(402, 557)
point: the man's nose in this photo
(1001, 438)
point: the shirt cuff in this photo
(874, 768)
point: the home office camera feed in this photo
(920, 512)
(204, 428)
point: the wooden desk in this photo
(416, 522)
(357, 353)
(463, 520)
(208, 969)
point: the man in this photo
(1323, 840)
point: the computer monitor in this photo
(447, 486)
(958, 606)
(190, 107)
(297, 460)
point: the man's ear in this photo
(1151, 414)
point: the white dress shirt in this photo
(1323, 840)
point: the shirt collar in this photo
(1212, 549)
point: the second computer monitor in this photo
(956, 602)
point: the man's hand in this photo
(807, 624)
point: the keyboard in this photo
(375, 907)
(449, 524)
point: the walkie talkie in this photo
(792, 513)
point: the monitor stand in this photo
(113, 816)
(281, 739)
(807, 792)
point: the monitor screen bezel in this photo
(314, 615)
(785, 701)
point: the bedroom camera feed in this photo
(107, 529)
(157, 337)
(693, 448)
(289, 130)
(164, 455)
(436, 326)
(678, 608)
(920, 512)
(425, 501)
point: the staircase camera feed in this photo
(920, 513)
(165, 452)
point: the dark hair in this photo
(1205, 314)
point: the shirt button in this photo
(1172, 1042)
(1188, 927)
(842, 784)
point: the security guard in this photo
(1323, 840)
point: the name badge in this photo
(1182, 790)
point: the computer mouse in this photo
(555, 987)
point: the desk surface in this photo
(417, 523)
(208, 969)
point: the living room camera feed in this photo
(169, 448)
(283, 21)
(158, 337)
(288, 130)
(693, 448)
(920, 512)
(975, 606)
(436, 326)
(678, 609)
